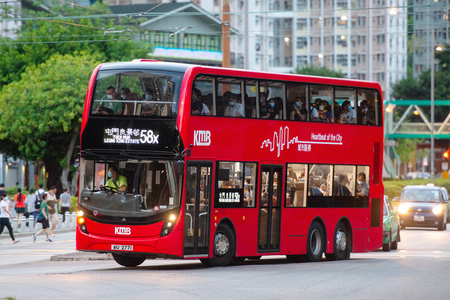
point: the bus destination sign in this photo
(130, 136)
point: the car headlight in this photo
(403, 208)
(437, 210)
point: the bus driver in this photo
(116, 181)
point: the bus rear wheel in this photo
(128, 261)
(315, 243)
(341, 243)
(224, 247)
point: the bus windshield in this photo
(130, 188)
(143, 93)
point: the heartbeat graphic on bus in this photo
(282, 140)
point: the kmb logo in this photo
(122, 230)
(202, 137)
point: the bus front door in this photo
(196, 218)
(270, 208)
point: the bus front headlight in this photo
(169, 224)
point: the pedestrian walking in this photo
(43, 217)
(5, 214)
(19, 198)
(52, 200)
(64, 204)
(2, 189)
(31, 204)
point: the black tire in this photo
(341, 243)
(224, 247)
(443, 224)
(128, 261)
(315, 244)
(387, 246)
(394, 245)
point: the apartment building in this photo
(9, 11)
(429, 16)
(364, 39)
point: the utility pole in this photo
(226, 34)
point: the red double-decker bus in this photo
(192, 162)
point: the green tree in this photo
(316, 71)
(42, 111)
(39, 39)
(44, 74)
(405, 150)
(419, 88)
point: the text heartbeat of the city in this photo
(281, 140)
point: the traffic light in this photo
(447, 154)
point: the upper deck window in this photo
(252, 98)
(142, 93)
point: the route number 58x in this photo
(148, 137)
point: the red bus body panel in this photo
(273, 142)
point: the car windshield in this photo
(130, 188)
(416, 195)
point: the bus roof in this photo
(197, 69)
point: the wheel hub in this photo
(341, 240)
(315, 242)
(221, 244)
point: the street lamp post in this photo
(432, 105)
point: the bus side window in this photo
(320, 96)
(295, 186)
(368, 107)
(205, 85)
(362, 187)
(346, 99)
(296, 102)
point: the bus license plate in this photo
(122, 247)
(419, 218)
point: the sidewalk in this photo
(69, 226)
(81, 256)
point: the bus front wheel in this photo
(224, 246)
(128, 261)
(341, 243)
(315, 243)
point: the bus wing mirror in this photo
(76, 163)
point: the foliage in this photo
(43, 109)
(40, 39)
(419, 88)
(316, 71)
(405, 149)
(393, 188)
(44, 74)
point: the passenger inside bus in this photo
(299, 112)
(233, 109)
(191, 186)
(366, 114)
(197, 107)
(340, 185)
(264, 106)
(362, 189)
(348, 115)
(130, 100)
(323, 111)
(111, 107)
(274, 112)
